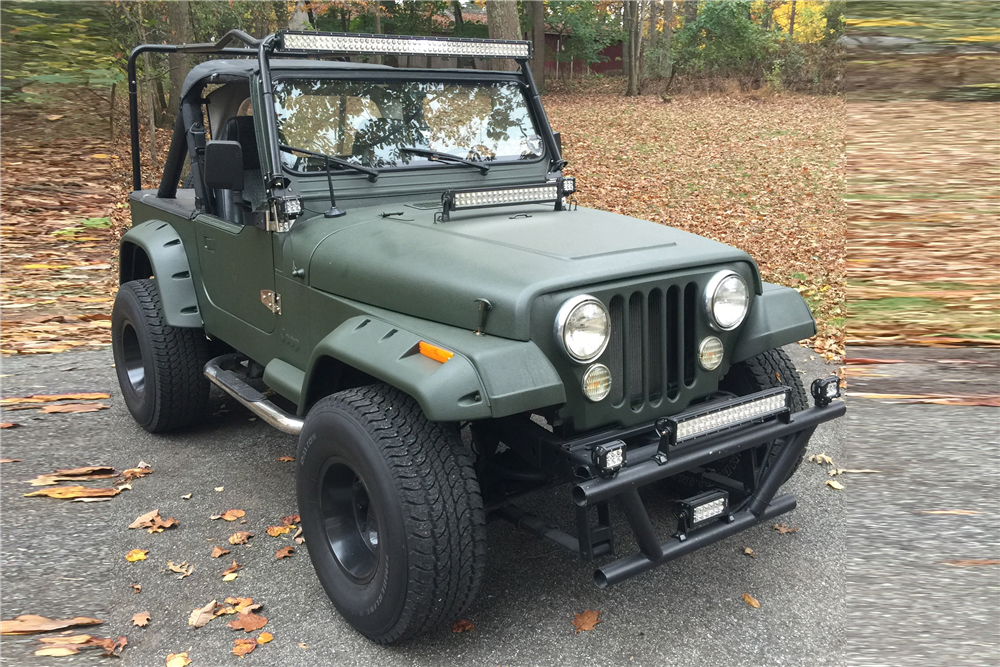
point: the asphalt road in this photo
(65, 558)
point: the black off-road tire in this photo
(412, 484)
(159, 367)
(767, 370)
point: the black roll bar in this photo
(262, 49)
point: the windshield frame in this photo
(460, 76)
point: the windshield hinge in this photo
(272, 300)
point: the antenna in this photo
(333, 211)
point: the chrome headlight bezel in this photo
(562, 317)
(711, 291)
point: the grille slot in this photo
(651, 351)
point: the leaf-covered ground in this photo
(762, 173)
(57, 285)
(923, 239)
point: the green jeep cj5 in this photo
(388, 262)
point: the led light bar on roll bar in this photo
(552, 191)
(392, 45)
(711, 419)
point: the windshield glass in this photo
(368, 122)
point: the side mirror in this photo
(558, 141)
(224, 165)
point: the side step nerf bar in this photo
(217, 370)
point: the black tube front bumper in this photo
(762, 504)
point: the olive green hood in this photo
(508, 256)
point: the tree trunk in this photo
(690, 11)
(179, 19)
(538, 37)
(456, 7)
(654, 17)
(633, 45)
(791, 24)
(299, 19)
(502, 22)
(378, 28)
(667, 68)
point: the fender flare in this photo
(779, 316)
(487, 378)
(168, 264)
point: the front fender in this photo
(168, 264)
(487, 377)
(779, 316)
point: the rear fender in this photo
(153, 248)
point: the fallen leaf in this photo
(57, 651)
(49, 398)
(201, 616)
(8, 425)
(248, 622)
(937, 399)
(178, 659)
(219, 551)
(286, 459)
(821, 459)
(240, 537)
(116, 647)
(290, 520)
(182, 569)
(141, 619)
(232, 568)
(54, 117)
(462, 625)
(220, 488)
(861, 360)
(586, 621)
(11, 460)
(238, 606)
(232, 515)
(783, 529)
(751, 600)
(275, 531)
(73, 474)
(148, 520)
(971, 563)
(749, 552)
(242, 647)
(135, 473)
(63, 639)
(298, 537)
(28, 624)
(137, 588)
(264, 637)
(186, 496)
(948, 512)
(64, 492)
(284, 552)
(136, 554)
(74, 407)
(843, 471)
(834, 484)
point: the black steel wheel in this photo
(159, 367)
(391, 512)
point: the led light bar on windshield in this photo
(751, 409)
(403, 45)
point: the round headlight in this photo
(727, 299)
(582, 328)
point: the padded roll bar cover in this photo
(778, 316)
(169, 261)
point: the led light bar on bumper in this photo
(456, 200)
(715, 417)
(403, 45)
(701, 509)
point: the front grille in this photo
(651, 352)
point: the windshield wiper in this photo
(344, 164)
(445, 157)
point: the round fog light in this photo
(597, 382)
(710, 353)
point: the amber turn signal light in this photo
(434, 352)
